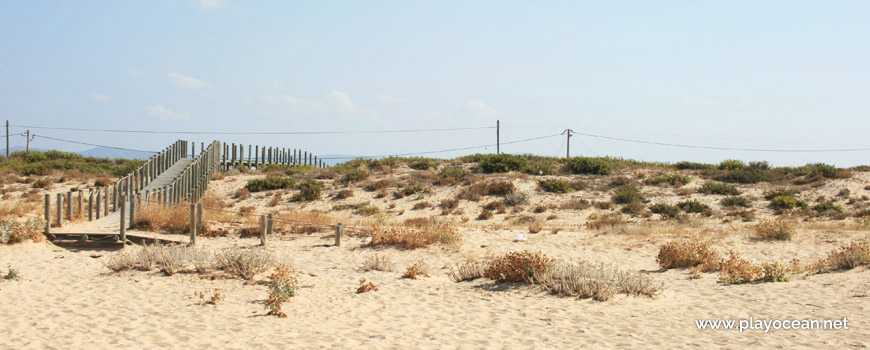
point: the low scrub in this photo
(44, 163)
(555, 186)
(785, 202)
(245, 263)
(517, 266)
(378, 263)
(693, 206)
(679, 254)
(501, 163)
(718, 188)
(781, 229)
(665, 210)
(736, 201)
(309, 190)
(416, 270)
(845, 258)
(270, 183)
(676, 180)
(585, 165)
(596, 281)
(12, 231)
(283, 285)
(628, 193)
(475, 191)
(163, 218)
(415, 237)
(467, 271)
(600, 221)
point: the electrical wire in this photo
(254, 133)
(723, 148)
(445, 150)
(89, 144)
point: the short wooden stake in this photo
(98, 204)
(132, 211)
(263, 230)
(199, 214)
(270, 225)
(47, 213)
(123, 220)
(193, 224)
(91, 206)
(59, 210)
(69, 204)
(338, 235)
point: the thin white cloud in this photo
(187, 82)
(389, 98)
(135, 73)
(162, 113)
(277, 85)
(208, 5)
(100, 97)
(335, 102)
(480, 109)
(699, 101)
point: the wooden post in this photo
(114, 198)
(249, 156)
(199, 214)
(91, 206)
(106, 203)
(59, 210)
(47, 213)
(81, 203)
(69, 205)
(98, 203)
(263, 229)
(270, 224)
(123, 220)
(497, 137)
(193, 224)
(338, 228)
(132, 211)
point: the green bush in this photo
(760, 165)
(555, 186)
(693, 206)
(542, 166)
(584, 165)
(719, 188)
(736, 201)
(423, 164)
(743, 176)
(731, 164)
(666, 210)
(684, 165)
(627, 194)
(410, 189)
(43, 163)
(457, 173)
(677, 180)
(777, 192)
(353, 175)
(826, 206)
(309, 190)
(270, 183)
(787, 202)
(501, 163)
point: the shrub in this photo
(677, 180)
(542, 166)
(677, 254)
(575, 204)
(415, 237)
(353, 175)
(467, 271)
(270, 183)
(760, 165)
(496, 206)
(421, 205)
(665, 210)
(242, 194)
(774, 272)
(173, 258)
(719, 188)
(516, 198)
(41, 183)
(536, 227)
(743, 176)
(736, 270)
(415, 188)
(684, 165)
(377, 185)
(456, 173)
(781, 229)
(597, 222)
(156, 217)
(517, 266)
(245, 263)
(344, 194)
(379, 263)
(502, 163)
(423, 164)
(415, 270)
(584, 165)
(846, 258)
(500, 188)
(367, 210)
(731, 164)
(555, 186)
(627, 194)
(12, 231)
(778, 192)
(826, 206)
(366, 287)
(283, 284)
(598, 282)
(693, 206)
(448, 205)
(485, 215)
(787, 202)
(736, 201)
(309, 190)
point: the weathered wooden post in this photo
(257, 156)
(133, 205)
(106, 203)
(263, 229)
(193, 224)
(47, 215)
(98, 203)
(91, 206)
(123, 220)
(199, 215)
(80, 207)
(114, 198)
(59, 210)
(69, 204)
(338, 228)
(270, 224)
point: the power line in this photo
(725, 148)
(90, 144)
(254, 132)
(445, 150)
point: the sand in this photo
(67, 299)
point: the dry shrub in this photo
(203, 260)
(12, 231)
(419, 222)
(540, 209)
(379, 185)
(42, 183)
(172, 259)
(421, 205)
(780, 229)
(597, 281)
(217, 296)
(601, 221)
(242, 194)
(575, 204)
(378, 263)
(283, 284)
(634, 208)
(678, 254)
(468, 271)
(475, 191)
(552, 217)
(380, 194)
(415, 237)
(211, 200)
(845, 258)
(344, 194)
(170, 218)
(496, 206)
(604, 205)
(736, 270)
(448, 205)
(245, 263)
(415, 270)
(536, 227)
(247, 210)
(485, 215)
(516, 198)
(103, 182)
(276, 200)
(366, 287)
(517, 266)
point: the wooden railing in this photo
(234, 156)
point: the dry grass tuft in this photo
(599, 282)
(468, 271)
(678, 254)
(845, 258)
(415, 270)
(485, 214)
(378, 263)
(156, 217)
(536, 227)
(600, 221)
(736, 270)
(780, 229)
(245, 263)
(415, 237)
(517, 266)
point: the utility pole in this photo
(28, 141)
(568, 149)
(7, 139)
(497, 137)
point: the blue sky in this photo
(771, 75)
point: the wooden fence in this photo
(258, 156)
